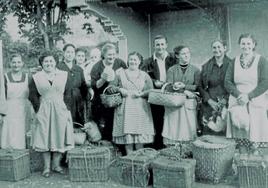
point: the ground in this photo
(61, 181)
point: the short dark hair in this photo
(137, 54)
(81, 49)
(47, 54)
(248, 35)
(220, 41)
(160, 37)
(68, 45)
(178, 49)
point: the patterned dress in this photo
(18, 115)
(180, 123)
(133, 121)
(54, 129)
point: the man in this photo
(157, 66)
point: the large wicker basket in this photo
(114, 151)
(134, 169)
(213, 156)
(164, 98)
(14, 164)
(89, 163)
(173, 172)
(112, 100)
(252, 171)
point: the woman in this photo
(76, 88)
(180, 124)
(246, 81)
(133, 123)
(211, 87)
(53, 134)
(102, 74)
(16, 121)
(80, 57)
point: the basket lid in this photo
(165, 162)
(140, 156)
(213, 142)
(88, 150)
(11, 154)
(252, 160)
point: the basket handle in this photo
(76, 123)
(165, 85)
(109, 86)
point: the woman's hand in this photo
(178, 86)
(123, 92)
(242, 99)
(213, 104)
(189, 94)
(137, 94)
(158, 83)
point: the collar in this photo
(165, 56)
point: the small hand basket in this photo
(164, 98)
(112, 100)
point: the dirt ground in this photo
(62, 181)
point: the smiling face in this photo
(160, 46)
(109, 56)
(218, 49)
(133, 62)
(16, 64)
(247, 46)
(184, 56)
(49, 64)
(80, 57)
(69, 54)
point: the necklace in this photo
(246, 62)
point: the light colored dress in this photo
(18, 115)
(180, 123)
(246, 80)
(54, 129)
(133, 121)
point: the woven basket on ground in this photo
(173, 172)
(111, 100)
(133, 169)
(164, 98)
(179, 150)
(89, 163)
(113, 149)
(252, 170)
(213, 156)
(14, 164)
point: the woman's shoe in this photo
(58, 169)
(46, 173)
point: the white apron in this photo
(246, 80)
(18, 116)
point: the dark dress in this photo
(100, 114)
(150, 66)
(75, 91)
(211, 86)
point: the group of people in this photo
(224, 92)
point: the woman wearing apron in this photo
(18, 115)
(246, 81)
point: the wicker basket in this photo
(164, 98)
(14, 164)
(134, 169)
(213, 156)
(112, 100)
(89, 163)
(36, 161)
(179, 150)
(173, 173)
(252, 171)
(79, 136)
(114, 151)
